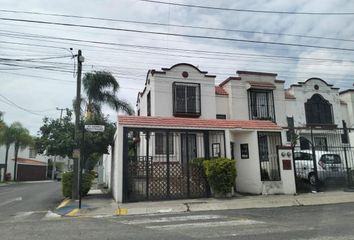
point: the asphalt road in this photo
(25, 199)
(327, 222)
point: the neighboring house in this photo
(182, 115)
(31, 165)
(347, 106)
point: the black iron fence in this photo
(323, 158)
(161, 163)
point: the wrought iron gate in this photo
(323, 158)
(161, 164)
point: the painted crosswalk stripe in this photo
(240, 222)
(22, 215)
(173, 219)
(11, 201)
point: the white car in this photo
(329, 165)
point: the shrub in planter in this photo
(221, 174)
(67, 179)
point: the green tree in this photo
(96, 144)
(20, 137)
(7, 137)
(100, 88)
(2, 123)
(57, 136)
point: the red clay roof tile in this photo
(220, 91)
(289, 95)
(30, 162)
(172, 122)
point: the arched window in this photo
(318, 111)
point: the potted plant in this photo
(221, 175)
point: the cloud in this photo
(130, 64)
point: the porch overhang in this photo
(192, 123)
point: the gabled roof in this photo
(153, 71)
(300, 84)
(26, 161)
(220, 91)
(173, 122)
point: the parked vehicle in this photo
(329, 165)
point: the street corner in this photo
(63, 203)
(121, 211)
(69, 208)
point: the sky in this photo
(37, 71)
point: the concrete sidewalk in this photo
(98, 204)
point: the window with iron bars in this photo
(186, 99)
(318, 111)
(261, 105)
(160, 143)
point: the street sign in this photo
(94, 128)
(76, 153)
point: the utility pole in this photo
(75, 190)
(54, 168)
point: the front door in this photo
(188, 149)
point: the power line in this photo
(249, 10)
(164, 48)
(177, 25)
(41, 77)
(179, 34)
(32, 59)
(11, 103)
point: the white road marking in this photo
(173, 219)
(50, 214)
(240, 222)
(21, 215)
(10, 201)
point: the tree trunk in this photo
(6, 159)
(15, 166)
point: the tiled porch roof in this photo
(143, 121)
(220, 91)
(30, 162)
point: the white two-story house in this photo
(183, 116)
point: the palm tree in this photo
(22, 139)
(7, 137)
(101, 88)
(2, 123)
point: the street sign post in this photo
(89, 128)
(94, 128)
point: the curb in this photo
(69, 208)
(65, 209)
(63, 203)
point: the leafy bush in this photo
(66, 183)
(67, 179)
(221, 174)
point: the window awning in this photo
(261, 85)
